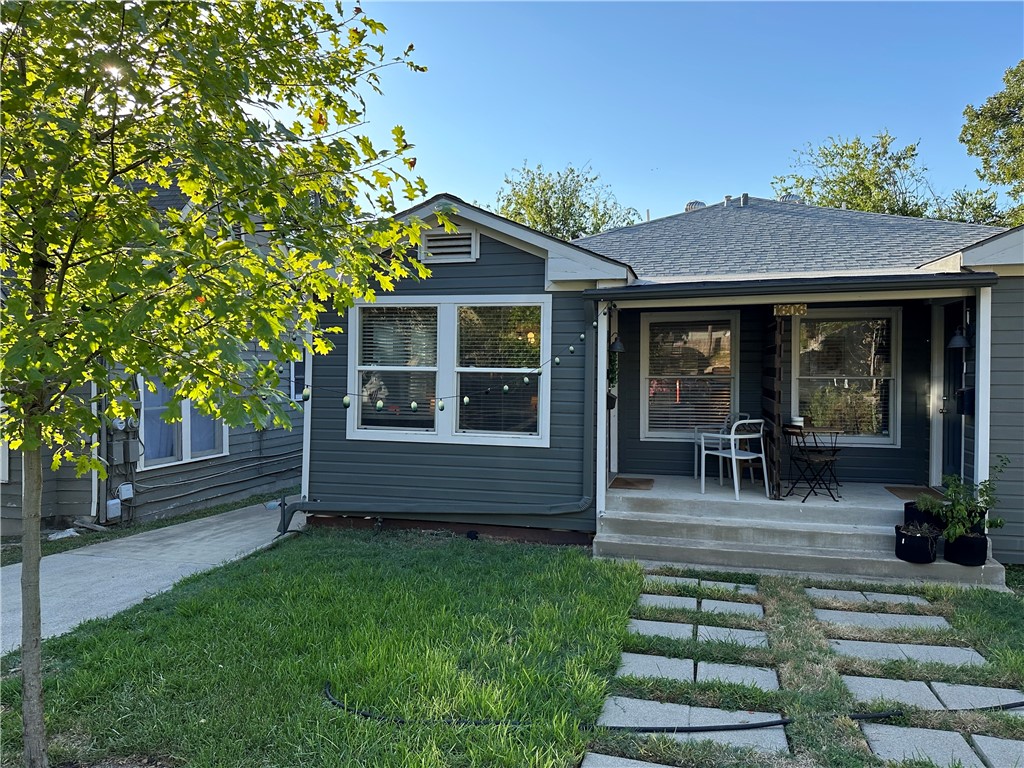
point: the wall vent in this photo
(449, 247)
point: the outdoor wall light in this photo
(616, 346)
(959, 340)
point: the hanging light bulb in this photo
(380, 406)
(465, 400)
(572, 350)
(346, 401)
(440, 405)
(526, 379)
(414, 406)
(558, 361)
(505, 388)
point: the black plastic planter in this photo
(967, 550)
(611, 401)
(911, 515)
(914, 549)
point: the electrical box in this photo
(131, 451)
(117, 452)
(965, 401)
(125, 491)
(113, 511)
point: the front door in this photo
(952, 380)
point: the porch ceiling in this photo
(797, 285)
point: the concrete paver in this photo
(759, 677)
(753, 638)
(594, 760)
(643, 665)
(669, 601)
(741, 589)
(977, 696)
(883, 597)
(661, 629)
(864, 649)
(99, 580)
(1000, 753)
(943, 654)
(846, 595)
(912, 692)
(770, 739)
(620, 711)
(944, 748)
(880, 620)
(727, 606)
(885, 651)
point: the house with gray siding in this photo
(480, 395)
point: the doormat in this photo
(911, 492)
(633, 483)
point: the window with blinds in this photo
(397, 367)
(689, 378)
(498, 354)
(846, 377)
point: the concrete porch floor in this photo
(852, 538)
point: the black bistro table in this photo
(813, 455)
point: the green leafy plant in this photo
(920, 529)
(967, 504)
(931, 504)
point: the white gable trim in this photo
(1006, 248)
(563, 262)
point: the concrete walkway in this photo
(102, 579)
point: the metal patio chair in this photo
(737, 446)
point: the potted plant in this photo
(926, 509)
(963, 514)
(915, 542)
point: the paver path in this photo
(944, 748)
(102, 579)
(880, 620)
(853, 596)
(886, 651)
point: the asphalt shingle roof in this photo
(771, 237)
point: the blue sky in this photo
(671, 102)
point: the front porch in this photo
(673, 522)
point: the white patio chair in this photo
(737, 446)
(724, 427)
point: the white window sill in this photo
(461, 438)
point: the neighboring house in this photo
(774, 308)
(156, 469)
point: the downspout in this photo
(982, 384)
(95, 451)
(582, 504)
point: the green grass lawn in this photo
(228, 668)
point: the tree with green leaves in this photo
(104, 104)
(566, 204)
(864, 175)
(994, 132)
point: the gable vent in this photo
(694, 205)
(445, 247)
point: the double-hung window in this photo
(689, 371)
(847, 372)
(454, 370)
(196, 436)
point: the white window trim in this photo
(5, 462)
(446, 422)
(429, 258)
(682, 435)
(186, 436)
(293, 364)
(895, 315)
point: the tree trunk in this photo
(33, 726)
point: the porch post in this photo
(602, 408)
(982, 383)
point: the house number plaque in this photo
(789, 310)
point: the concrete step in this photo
(650, 504)
(830, 535)
(837, 562)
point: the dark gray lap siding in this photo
(500, 485)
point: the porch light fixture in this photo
(616, 346)
(959, 340)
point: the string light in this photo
(347, 398)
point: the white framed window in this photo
(467, 369)
(441, 247)
(297, 378)
(689, 372)
(194, 438)
(846, 372)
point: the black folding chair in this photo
(811, 462)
